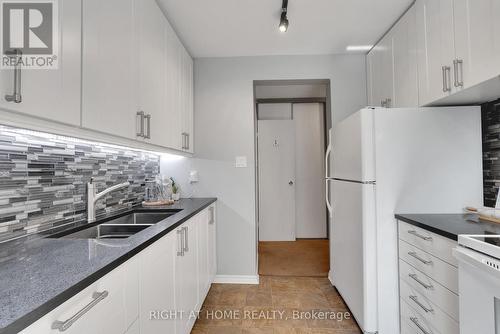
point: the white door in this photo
(477, 41)
(310, 211)
(157, 284)
(152, 54)
(173, 89)
(354, 250)
(435, 49)
(52, 94)
(405, 62)
(186, 97)
(109, 70)
(276, 144)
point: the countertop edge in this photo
(31, 317)
(432, 229)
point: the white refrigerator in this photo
(387, 161)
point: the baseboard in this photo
(236, 279)
(330, 277)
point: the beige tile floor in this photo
(249, 308)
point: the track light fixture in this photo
(284, 20)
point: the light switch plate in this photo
(240, 162)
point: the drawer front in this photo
(440, 271)
(416, 322)
(110, 306)
(430, 289)
(431, 312)
(431, 243)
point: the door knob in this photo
(290, 183)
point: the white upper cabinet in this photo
(477, 41)
(152, 54)
(110, 67)
(52, 94)
(187, 100)
(392, 67)
(405, 62)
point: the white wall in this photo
(224, 129)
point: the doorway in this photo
(291, 123)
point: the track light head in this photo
(283, 27)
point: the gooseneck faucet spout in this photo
(93, 197)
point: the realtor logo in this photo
(29, 32)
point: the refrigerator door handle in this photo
(328, 153)
(328, 204)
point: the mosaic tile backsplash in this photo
(43, 179)
(491, 151)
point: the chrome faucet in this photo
(93, 197)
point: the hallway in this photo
(304, 257)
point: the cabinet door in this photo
(203, 271)
(212, 245)
(157, 285)
(382, 72)
(435, 49)
(174, 63)
(52, 94)
(114, 299)
(477, 41)
(369, 79)
(186, 278)
(110, 67)
(152, 32)
(405, 62)
(187, 100)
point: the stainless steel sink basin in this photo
(106, 231)
(141, 218)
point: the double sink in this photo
(120, 227)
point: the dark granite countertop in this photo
(451, 225)
(38, 275)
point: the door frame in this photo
(326, 102)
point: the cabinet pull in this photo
(148, 123)
(388, 103)
(187, 141)
(212, 215)
(417, 323)
(180, 242)
(186, 239)
(16, 96)
(460, 69)
(424, 261)
(184, 135)
(455, 71)
(64, 325)
(446, 79)
(423, 237)
(140, 133)
(443, 69)
(422, 306)
(416, 279)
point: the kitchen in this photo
(129, 172)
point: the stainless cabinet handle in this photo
(388, 103)
(447, 79)
(148, 122)
(212, 215)
(443, 69)
(180, 242)
(424, 261)
(140, 133)
(186, 239)
(187, 141)
(16, 96)
(184, 141)
(460, 69)
(417, 323)
(455, 71)
(423, 237)
(422, 306)
(416, 279)
(64, 325)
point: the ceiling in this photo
(228, 28)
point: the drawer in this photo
(426, 309)
(431, 243)
(416, 322)
(440, 271)
(108, 306)
(430, 289)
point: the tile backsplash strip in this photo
(43, 179)
(491, 151)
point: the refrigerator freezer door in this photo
(354, 149)
(354, 250)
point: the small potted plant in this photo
(176, 194)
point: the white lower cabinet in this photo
(108, 306)
(212, 243)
